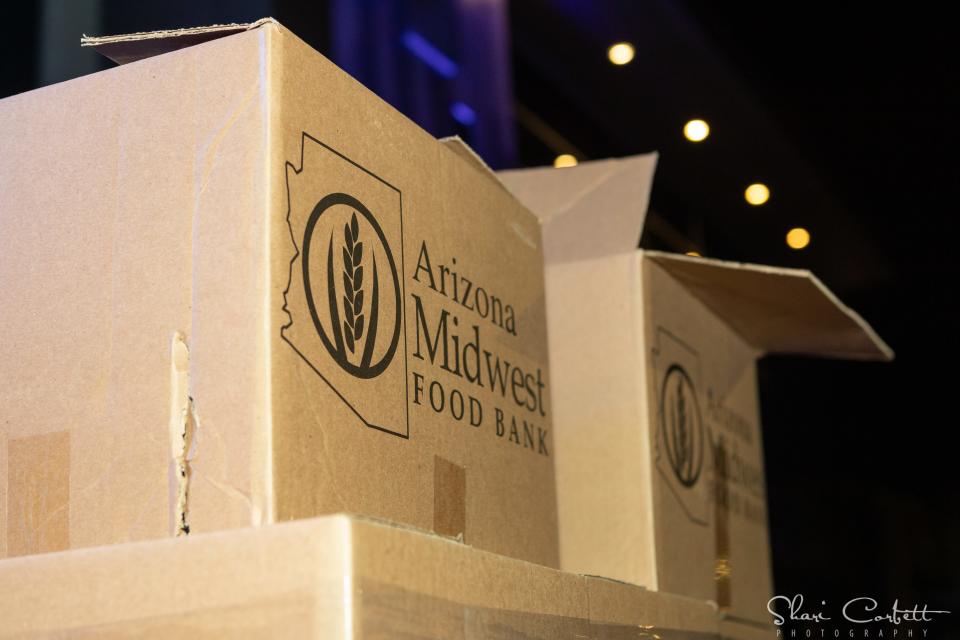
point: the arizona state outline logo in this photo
(344, 295)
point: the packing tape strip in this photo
(449, 499)
(722, 568)
(379, 611)
(389, 612)
(38, 493)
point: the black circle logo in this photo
(361, 299)
(680, 425)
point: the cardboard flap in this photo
(591, 210)
(466, 152)
(462, 149)
(775, 309)
(137, 46)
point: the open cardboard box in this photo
(657, 422)
(239, 288)
(329, 577)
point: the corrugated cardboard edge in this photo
(93, 41)
(131, 47)
(884, 350)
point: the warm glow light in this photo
(564, 160)
(696, 130)
(798, 238)
(695, 254)
(757, 194)
(621, 53)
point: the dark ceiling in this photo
(846, 116)
(849, 113)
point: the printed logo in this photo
(346, 308)
(344, 296)
(680, 439)
(859, 617)
(681, 426)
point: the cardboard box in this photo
(239, 288)
(331, 577)
(656, 415)
(733, 629)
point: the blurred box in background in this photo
(659, 450)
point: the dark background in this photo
(849, 114)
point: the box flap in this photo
(136, 46)
(462, 149)
(591, 210)
(777, 310)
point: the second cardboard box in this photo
(659, 447)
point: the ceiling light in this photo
(757, 193)
(798, 238)
(621, 53)
(696, 130)
(564, 160)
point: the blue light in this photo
(463, 114)
(430, 55)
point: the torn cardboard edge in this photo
(131, 47)
(183, 425)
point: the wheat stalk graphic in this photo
(352, 284)
(681, 437)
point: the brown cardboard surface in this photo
(731, 629)
(596, 210)
(604, 460)
(189, 267)
(659, 464)
(710, 528)
(97, 277)
(38, 479)
(449, 498)
(777, 310)
(293, 576)
(510, 502)
(620, 603)
(331, 577)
